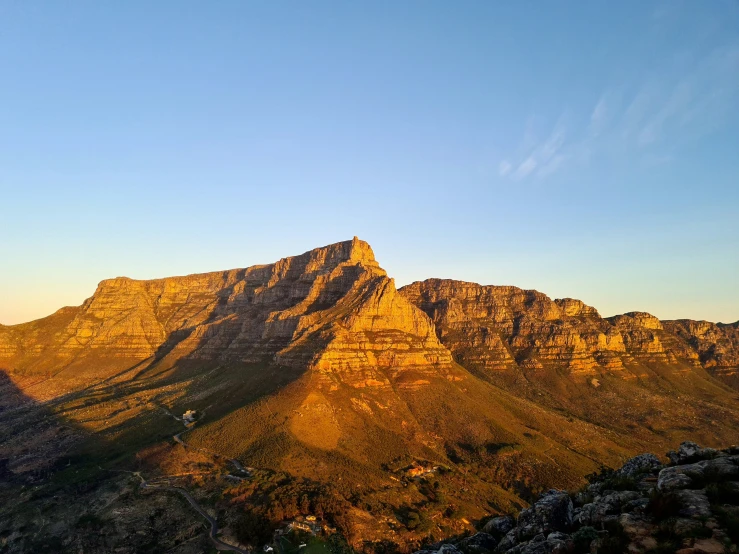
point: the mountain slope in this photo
(316, 367)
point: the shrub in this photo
(583, 537)
(722, 493)
(729, 520)
(663, 505)
(616, 541)
(253, 528)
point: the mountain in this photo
(326, 380)
(332, 309)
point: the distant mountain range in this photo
(318, 367)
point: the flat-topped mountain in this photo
(332, 309)
(317, 368)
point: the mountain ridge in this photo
(318, 368)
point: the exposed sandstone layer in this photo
(333, 309)
(500, 328)
(716, 344)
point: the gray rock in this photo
(595, 488)
(687, 451)
(559, 543)
(509, 541)
(585, 515)
(600, 510)
(721, 467)
(637, 505)
(644, 463)
(693, 503)
(673, 478)
(499, 526)
(687, 475)
(733, 486)
(537, 545)
(552, 512)
(690, 452)
(479, 543)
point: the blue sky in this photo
(585, 149)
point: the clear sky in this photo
(585, 149)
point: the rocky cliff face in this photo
(506, 328)
(333, 309)
(715, 344)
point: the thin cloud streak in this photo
(649, 121)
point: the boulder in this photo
(537, 545)
(693, 504)
(499, 526)
(598, 511)
(479, 543)
(559, 543)
(638, 505)
(509, 541)
(690, 452)
(644, 463)
(552, 512)
(690, 475)
(723, 468)
(672, 478)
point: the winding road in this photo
(219, 544)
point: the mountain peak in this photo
(355, 250)
(360, 250)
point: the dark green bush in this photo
(728, 518)
(663, 505)
(582, 539)
(722, 493)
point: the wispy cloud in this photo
(534, 154)
(677, 103)
(504, 168)
(649, 120)
(598, 116)
(525, 168)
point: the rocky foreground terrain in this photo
(689, 506)
(337, 387)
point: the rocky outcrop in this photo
(332, 309)
(630, 510)
(505, 328)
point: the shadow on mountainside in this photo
(66, 486)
